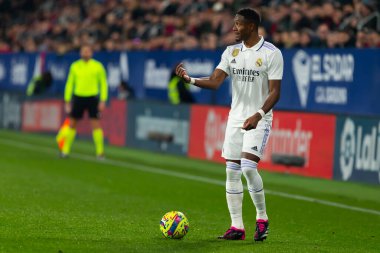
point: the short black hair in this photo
(250, 15)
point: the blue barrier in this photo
(330, 81)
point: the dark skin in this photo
(248, 33)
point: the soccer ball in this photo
(174, 225)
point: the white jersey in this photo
(250, 70)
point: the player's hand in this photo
(181, 72)
(67, 107)
(251, 122)
(101, 106)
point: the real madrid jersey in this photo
(250, 70)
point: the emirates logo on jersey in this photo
(244, 71)
(245, 75)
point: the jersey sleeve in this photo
(103, 83)
(275, 66)
(70, 84)
(224, 63)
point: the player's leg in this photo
(76, 114)
(98, 137)
(97, 131)
(234, 185)
(62, 133)
(253, 147)
(69, 138)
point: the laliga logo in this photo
(347, 149)
(358, 149)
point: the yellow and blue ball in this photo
(174, 225)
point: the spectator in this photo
(322, 34)
(62, 26)
(125, 91)
(39, 84)
(305, 38)
(178, 90)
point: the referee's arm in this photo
(69, 89)
(69, 85)
(103, 84)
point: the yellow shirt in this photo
(86, 79)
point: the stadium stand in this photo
(113, 25)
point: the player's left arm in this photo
(273, 97)
(275, 72)
(103, 88)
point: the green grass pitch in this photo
(80, 204)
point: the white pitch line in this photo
(155, 170)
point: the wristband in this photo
(261, 112)
(192, 80)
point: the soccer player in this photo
(255, 67)
(86, 85)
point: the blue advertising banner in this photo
(332, 81)
(158, 127)
(16, 71)
(329, 81)
(148, 73)
(59, 66)
(152, 71)
(357, 149)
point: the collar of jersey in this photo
(255, 47)
(82, 61)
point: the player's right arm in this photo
(212, 82)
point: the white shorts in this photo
(238, 140)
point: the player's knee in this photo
(233, 171)
(233, 175)
(95, 124)
(248, 166)
(251, 174)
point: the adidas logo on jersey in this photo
(254, 148)
(233, 61)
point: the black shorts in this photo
(82, 104)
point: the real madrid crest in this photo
(259, 62)
(235, 52)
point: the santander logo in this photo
(289, 141)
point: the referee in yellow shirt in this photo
(86, 90)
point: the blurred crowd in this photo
(63, 25)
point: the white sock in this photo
(255, 187)
(234, 194)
